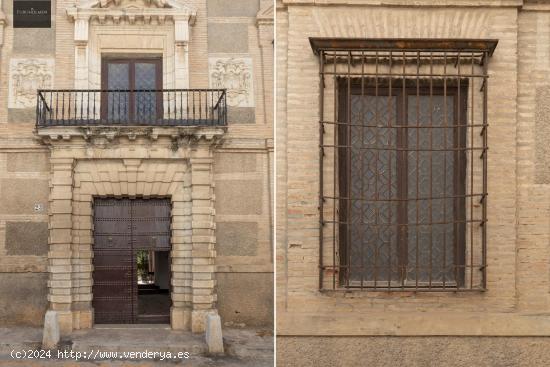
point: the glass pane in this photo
(118, 103)
(146, 105)
(430, 236)
(373, 229)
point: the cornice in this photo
(104, 135)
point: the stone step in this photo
(137, 339)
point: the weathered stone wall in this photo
(516, 302)
(240, 38)
(24, 190)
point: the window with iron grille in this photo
(403, 163)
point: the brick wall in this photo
(517, 274)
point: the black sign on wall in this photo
(32, 13)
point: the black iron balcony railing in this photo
(166, 107)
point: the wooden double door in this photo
(122, 227)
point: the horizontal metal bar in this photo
(407, 199)
(129, 90)
(400, 76)
(391, 126)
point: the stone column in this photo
(203, 236)
(182, 247)
(60, 240)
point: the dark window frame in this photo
(131, 61)
(348, 87)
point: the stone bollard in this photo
(214, 338)
(50, 338)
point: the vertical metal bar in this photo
(88, 107)
(457, 170)
(38, 109)
(51, 105)
(471, 127)
(390, 195)
(321, 160)
(349, 172)
(445, 153)
(361, 174)
(431, 183)
(335, 219)
(402, 157)
(485, 153)
(56, 105)
(376, 195)
(200, 106)
(169, 103)
(69, 107)
(63, 107)
(417, 249)
(118, 106)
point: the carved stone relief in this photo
(234, 74)
(26, 76)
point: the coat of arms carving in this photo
(26, 77)
(234, 74)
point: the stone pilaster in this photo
(265, 23)
(182, 247)
(81, 24)
(203, 236)
(60, 280)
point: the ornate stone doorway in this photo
(102, 162)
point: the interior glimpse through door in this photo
(131, 91)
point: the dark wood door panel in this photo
(121, 227)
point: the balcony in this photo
(157, 108)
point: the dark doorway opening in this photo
(153, 282)
(127, 233)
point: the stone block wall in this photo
(24, 190)
(238, 33)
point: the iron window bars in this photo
(403, 163)
(163, 107)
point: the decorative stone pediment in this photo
(134, 4)
(131, 12)
(131, 4)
